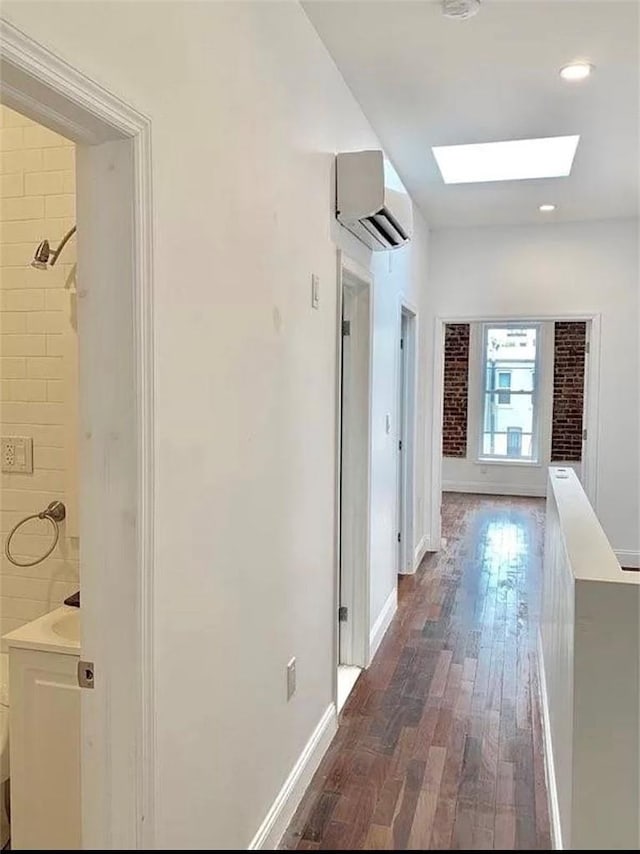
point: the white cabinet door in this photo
(44, 751)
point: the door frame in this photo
(407, 406)
(589, 467)
(356, 277)
(116, 423)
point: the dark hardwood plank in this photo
(440, 744)
(505, 793)
(320, 816)
(334, 835)
(462, 839)
(443, 824)
(378, 839)
(504, 838)
(386, 806)
(422, 827)
(404, 817)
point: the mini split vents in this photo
(367, 205)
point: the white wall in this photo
(404, 266)
(547, 270)
(247, 110)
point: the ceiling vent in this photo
(460, 9)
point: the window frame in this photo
(499, 459)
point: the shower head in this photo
(45, 257)
(41, 256)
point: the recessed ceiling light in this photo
(512, 160)
(547, 208)
(576, 71)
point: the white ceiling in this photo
(425, 80)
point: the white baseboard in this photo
(421, 549)
(549, 766)
(283, 808)
(628, 558)
(481, 487)
(382, 623)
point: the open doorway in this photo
(111, 700)
(406, 437)
(40, 573)
(354, 475)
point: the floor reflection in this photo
(439, 744)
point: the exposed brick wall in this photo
(456, 389)
(568, 391)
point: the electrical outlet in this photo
(291, 678)
(17, 454)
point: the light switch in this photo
(315, 291)
(291, 678)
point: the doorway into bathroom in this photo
(39, 462)
(107, 299)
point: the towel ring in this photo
(54, 514)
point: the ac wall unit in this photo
(379, 214)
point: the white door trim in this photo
(592, 392)
(350, 273)
(49, 90)
(409, 393)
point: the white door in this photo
(348, 520)
(405, 440)
(355, 443)
(402, 448)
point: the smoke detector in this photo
(460, 9)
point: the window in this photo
(509, 399)
(504, 381)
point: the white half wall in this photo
(582, 268)
(589, 649)
(247, 111)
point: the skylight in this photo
(512, 160)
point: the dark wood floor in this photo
(439, 745)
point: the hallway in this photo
(440, 744)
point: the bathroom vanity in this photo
(44, 729)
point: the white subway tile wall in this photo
(38, 362)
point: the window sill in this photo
(493, 461)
